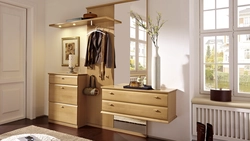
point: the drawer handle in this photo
(111, 93)
(62, 78)
(156, 110)
(62, 87)
(62, 107)
(157, 97)
(111, 104)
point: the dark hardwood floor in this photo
(96, 134)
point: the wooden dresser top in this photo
(120, 87)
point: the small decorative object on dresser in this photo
(72, 63)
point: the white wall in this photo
(174, 51)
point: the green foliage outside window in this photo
(222, 77)
(132, 64)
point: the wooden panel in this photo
(104, 11)
(93, 21)
(135, 109)
(62, 79)
(120, 88)
(171, 106)
(94, 103)
(63, 93)
(135, 97)
(81, 101)
(113, 3)
(63, 113)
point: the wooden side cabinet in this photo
(150, 105)
(67, 104)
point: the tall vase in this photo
(157, 69)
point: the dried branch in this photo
(151, 29)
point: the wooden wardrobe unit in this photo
(91, 111)
(93, 104)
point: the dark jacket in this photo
(99, 50)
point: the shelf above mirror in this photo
(93, 21)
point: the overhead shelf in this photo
(93, 21)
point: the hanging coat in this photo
(93, 49)
(99, 51)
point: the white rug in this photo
(38, 133)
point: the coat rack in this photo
(94, 104)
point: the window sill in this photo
(233, 103)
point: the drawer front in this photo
(63, 113)
(136, 97)
(63, 79)
(154, 112)
(63, 94)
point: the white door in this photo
(12, 63)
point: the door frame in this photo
(30, 76)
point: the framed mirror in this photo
(131, 55)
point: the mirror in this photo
(124, 59)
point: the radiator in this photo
(229, 124)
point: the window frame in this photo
(235, 16)
(215, 30)
(233, 31)
(202, 71)
(236, 93)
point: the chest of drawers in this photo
(67, 104)
(150, 105)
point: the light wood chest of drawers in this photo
(67, 105)
(150, 105)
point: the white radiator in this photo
(229, 124)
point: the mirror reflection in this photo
(137, 52)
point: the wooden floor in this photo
(96, 134)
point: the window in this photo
(138, 49)
(225, 45)
(247, 54)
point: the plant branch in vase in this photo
(152, 30)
